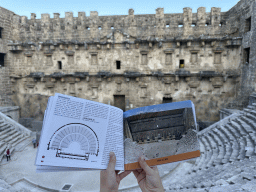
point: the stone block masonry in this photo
(136, 60)
(5, 35)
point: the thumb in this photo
(144, 165)
(112, 161)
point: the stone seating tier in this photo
(9, 137)
(227, 155)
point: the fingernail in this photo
(142, 158)
(111, 154)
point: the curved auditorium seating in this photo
(81, 134)
(227, 160)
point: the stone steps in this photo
(250, 119)
(226, 139)
(19, 140)
(11, 133)
(4, 154)
(2, 150)
(215, 151)
(229, 174)
(233, 143)
(203, 159)
(224, 147)
(9, 137)
(238, 145)
(209, 152)
(221, 148)
(14, 139)
(24, 183)
(4, 126)
(230, 142)
(6, 130)
(199, 159)
(251, 111)
(1, 122)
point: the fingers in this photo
(117, 171)
(155, 168)
(112, 162)
(124, 174)
(136, 173)
(144, 165)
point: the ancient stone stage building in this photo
(129, 60)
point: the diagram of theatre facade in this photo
(74, 141)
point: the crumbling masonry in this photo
(130, 60)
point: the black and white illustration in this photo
(74, 141)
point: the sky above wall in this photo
(109, 7)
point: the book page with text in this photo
(74, 133)
(114, 139)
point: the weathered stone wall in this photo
(238, 16)
(97, 28)
(146, 58)
(5, 83)
(31, 105)
(12, 112)
(197, 56)
(209, 92)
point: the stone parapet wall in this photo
(160, 25)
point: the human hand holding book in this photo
(148, 177)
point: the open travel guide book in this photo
(78, 134)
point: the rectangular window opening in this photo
(118, 64)
(59, 65)
(167, 100)
(248, 24)
(182, 63)
(2, 59)
(247, 55)
(1, 31)
(119, 101)
(180, 25)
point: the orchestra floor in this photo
(22, 165)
